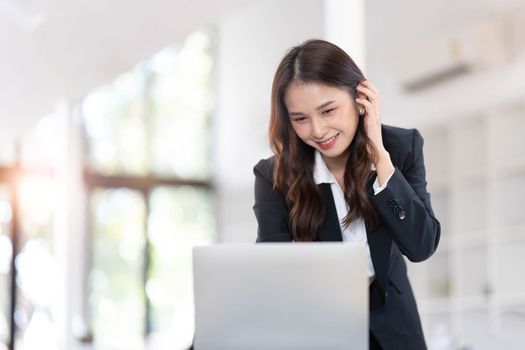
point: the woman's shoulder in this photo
(399, 140)
(403, 145)
(264, 168)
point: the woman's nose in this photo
(319, 127)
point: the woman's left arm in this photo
(404, 207)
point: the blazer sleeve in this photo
(404, 207)
(270, 209)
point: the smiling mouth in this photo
(327, 141)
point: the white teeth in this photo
(328, 141)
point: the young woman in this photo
(338, 174)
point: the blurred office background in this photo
(129, 130)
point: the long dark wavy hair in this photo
(316, 61)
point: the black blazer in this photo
(407, 226)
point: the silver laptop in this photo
(280, 296)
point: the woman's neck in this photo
(337, 166)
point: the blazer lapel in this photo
(329, 229)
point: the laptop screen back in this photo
(280, 296)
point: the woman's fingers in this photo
(367, 92)
(369, 98)
(369, 85)
(366, 103)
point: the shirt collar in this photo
(321, 172)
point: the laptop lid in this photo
(280, 296)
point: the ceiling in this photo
(58, 48)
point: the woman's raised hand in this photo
(369, 101)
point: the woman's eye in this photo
(328, 111)
(300, 119)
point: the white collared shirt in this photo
(356, 231)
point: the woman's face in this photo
(323, 116)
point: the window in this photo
(27, 219)
(150, 197)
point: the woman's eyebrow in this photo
(325, 104)
(318, 108)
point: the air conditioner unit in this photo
(468, 48)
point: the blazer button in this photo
(402, 215)
(397, 209)
(392, 203)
